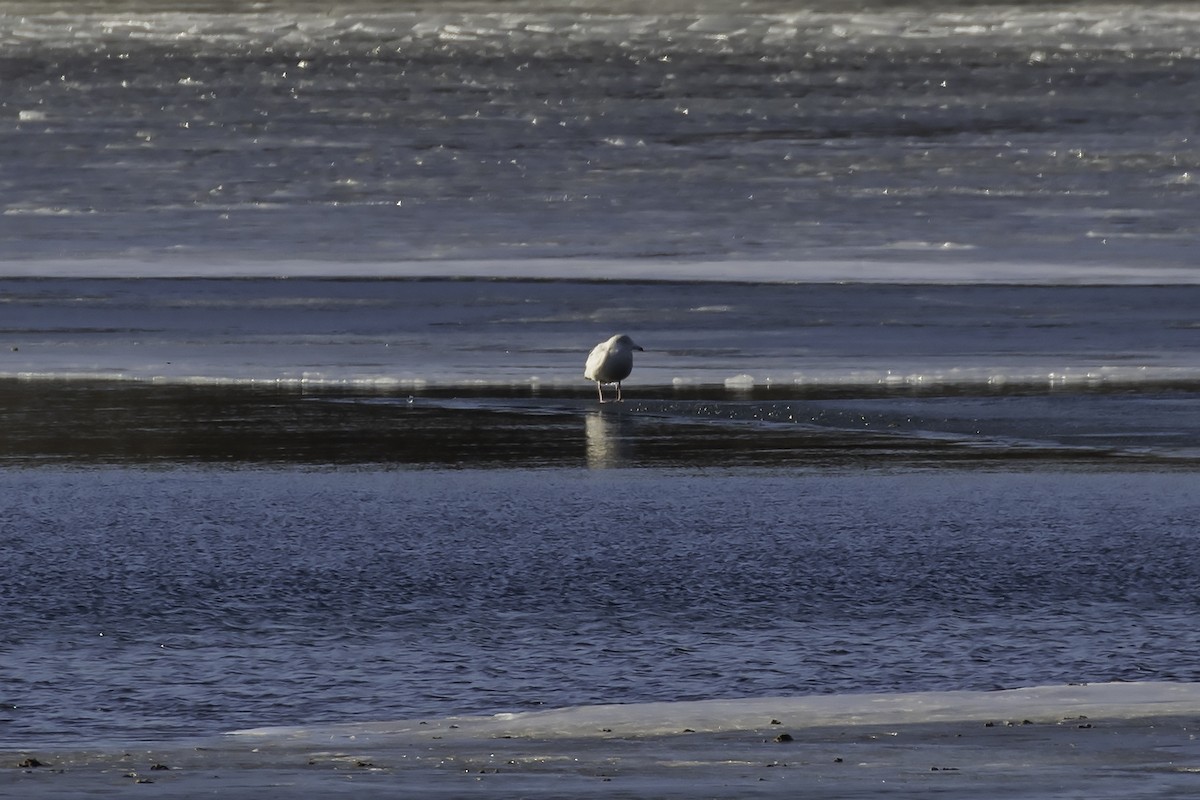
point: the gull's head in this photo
(623, 342)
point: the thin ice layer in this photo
(1044, 704)
(412, 334)
(908, 133)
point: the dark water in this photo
(182, 560)
(113, 423)
(157, 603)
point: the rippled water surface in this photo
(169, 602)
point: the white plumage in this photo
(610, 361)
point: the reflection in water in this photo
(115, 422)
(607, 446)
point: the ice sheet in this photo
(362, 131)
(536, 333)
(1043, 704)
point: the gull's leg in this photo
(619, 400)
(600, 390)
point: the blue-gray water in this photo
(241, 502)
(184, 559)
(157, 603)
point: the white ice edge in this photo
(941, 272)
(1041, 704)
(649, 379)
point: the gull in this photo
(610, 361)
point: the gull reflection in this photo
(606, 446)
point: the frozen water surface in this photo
(515, 332)
(363, 131)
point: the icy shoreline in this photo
(1041, 704)
(1108, 740)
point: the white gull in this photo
(610, 361)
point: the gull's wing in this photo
(594, 360)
